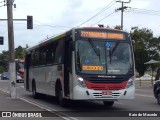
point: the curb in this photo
(43, 107)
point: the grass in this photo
(144, 83)
(149, 73)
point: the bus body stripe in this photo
(106, 86)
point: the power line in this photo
(103, 18)
(105, 8)
(2, 5)
(2, 1)
(42, 24)
(145, 11)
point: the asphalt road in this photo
(144, 101)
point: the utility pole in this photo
(122, 10)
(12, 69)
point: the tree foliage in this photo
(146, 47)
(19, 54)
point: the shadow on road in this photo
(79, 105)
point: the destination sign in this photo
(103, 35)
(87, 67)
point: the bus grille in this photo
(107, 88)
(107, 80)
(114, 95)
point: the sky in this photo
(52, 17)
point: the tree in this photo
(19, 54)
(2, 69)
(117, 27)
(146, 47)
(4, 61)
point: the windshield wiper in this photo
(79, 60)
(114, 47)
(94, 47)
(111, 52)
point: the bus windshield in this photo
(103, 57)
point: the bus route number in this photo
(86, 67)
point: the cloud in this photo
(56, 16)
(140, 3)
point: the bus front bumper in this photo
(80, 93)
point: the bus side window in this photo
(27, 62)
(33, 61)
(49, 55)
(35, 58)
(59, 55)
(42, 57)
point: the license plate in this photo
(106, 93)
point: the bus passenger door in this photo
(27, 66)
(67, 66)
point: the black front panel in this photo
(106, 79)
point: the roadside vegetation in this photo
(19, 54)
(146, 47)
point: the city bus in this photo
(19, 70)
(87, 63)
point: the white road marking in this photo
(49, 109)
(60, 114)
(5, 91)
(119, 103)
(144, 95)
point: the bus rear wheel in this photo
(108, 103)
(34, 93)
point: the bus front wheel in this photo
(108, 103)
(158, 97)
(62, 101)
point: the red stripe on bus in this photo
(106, 86)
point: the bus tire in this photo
(34, 93)
(108, 103)
(158, 97)
(61, 100)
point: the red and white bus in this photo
(88, 63)
(19, 70)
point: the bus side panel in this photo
(25, 84)
(45, 78)
(26, 72)
(39, 77)
(30, 79)
(53, 73)
(72, 77)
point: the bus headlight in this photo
(81, 82)
(130, 83)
